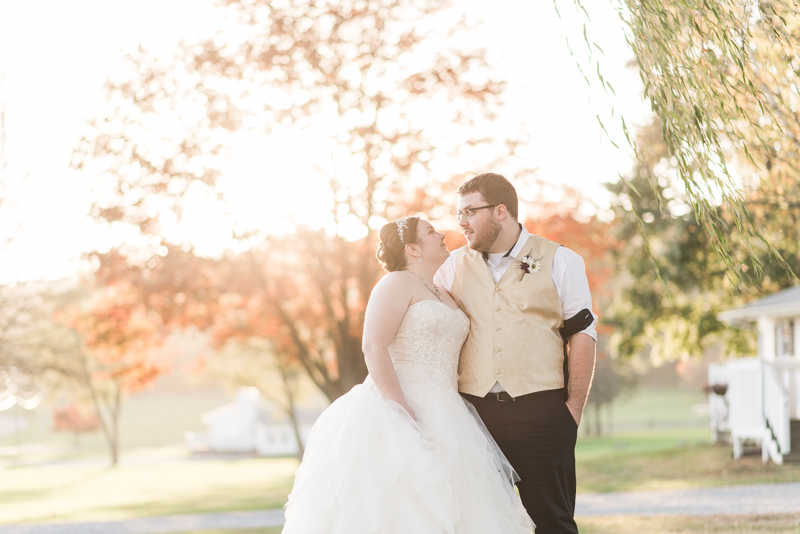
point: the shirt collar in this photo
(523, 238)
(514, 251)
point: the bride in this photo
(403, 453)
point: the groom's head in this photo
(487, 207)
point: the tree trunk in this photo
(288, 386)
(115, 409)
(108, 417)
(296, 427)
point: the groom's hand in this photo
(577, 413)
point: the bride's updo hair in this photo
(391, 251)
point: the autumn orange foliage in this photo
(72, 419)
(120, 333)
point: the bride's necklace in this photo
(435, 289)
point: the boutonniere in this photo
(529, 265)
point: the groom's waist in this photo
(520, 370)
(503, 396)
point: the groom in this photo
(528, 361)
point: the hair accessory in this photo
(402, 224)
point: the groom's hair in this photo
(495, 189)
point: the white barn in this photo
(250, 426)
(757, 398)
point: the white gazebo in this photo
(757, 398)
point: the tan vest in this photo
(514, 324)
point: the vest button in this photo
(496, 328)
(497, 289)
(497, 350)
(497, 308)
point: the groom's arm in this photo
(572, 285)
(447, 272)
(581, 351)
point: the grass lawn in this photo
(80, 492)
(651, 408)
(777, 524)
(668, 460)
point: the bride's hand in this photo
(410, 411)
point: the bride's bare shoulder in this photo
(393, 291)
(396, 283)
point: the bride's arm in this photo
(385, 310)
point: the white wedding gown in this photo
(369, 468)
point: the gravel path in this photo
(156, 525)
(732, 500)
(729, 500)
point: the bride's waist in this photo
(420, 384)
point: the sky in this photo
(55, 56)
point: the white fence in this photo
(745, 402)
(758, 403)
(788, 370)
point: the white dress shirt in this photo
(569, 279)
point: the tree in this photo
(71, 418)
(17, 302)
(676, 284)
(721, 79)
(117, 334)
(366, 68)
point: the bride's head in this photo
(392, 248)
(406, 240)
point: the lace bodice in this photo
(428, 343)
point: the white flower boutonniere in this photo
(529, 265)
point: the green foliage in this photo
(674, 314)
(720, 76)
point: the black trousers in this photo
(537, 434)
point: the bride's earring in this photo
(419, 258)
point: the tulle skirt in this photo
(369, 468)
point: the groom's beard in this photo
(486, 236)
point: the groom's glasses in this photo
(469, 212)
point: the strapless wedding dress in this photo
(369, 468)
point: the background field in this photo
(158, 418)
(666, 446)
